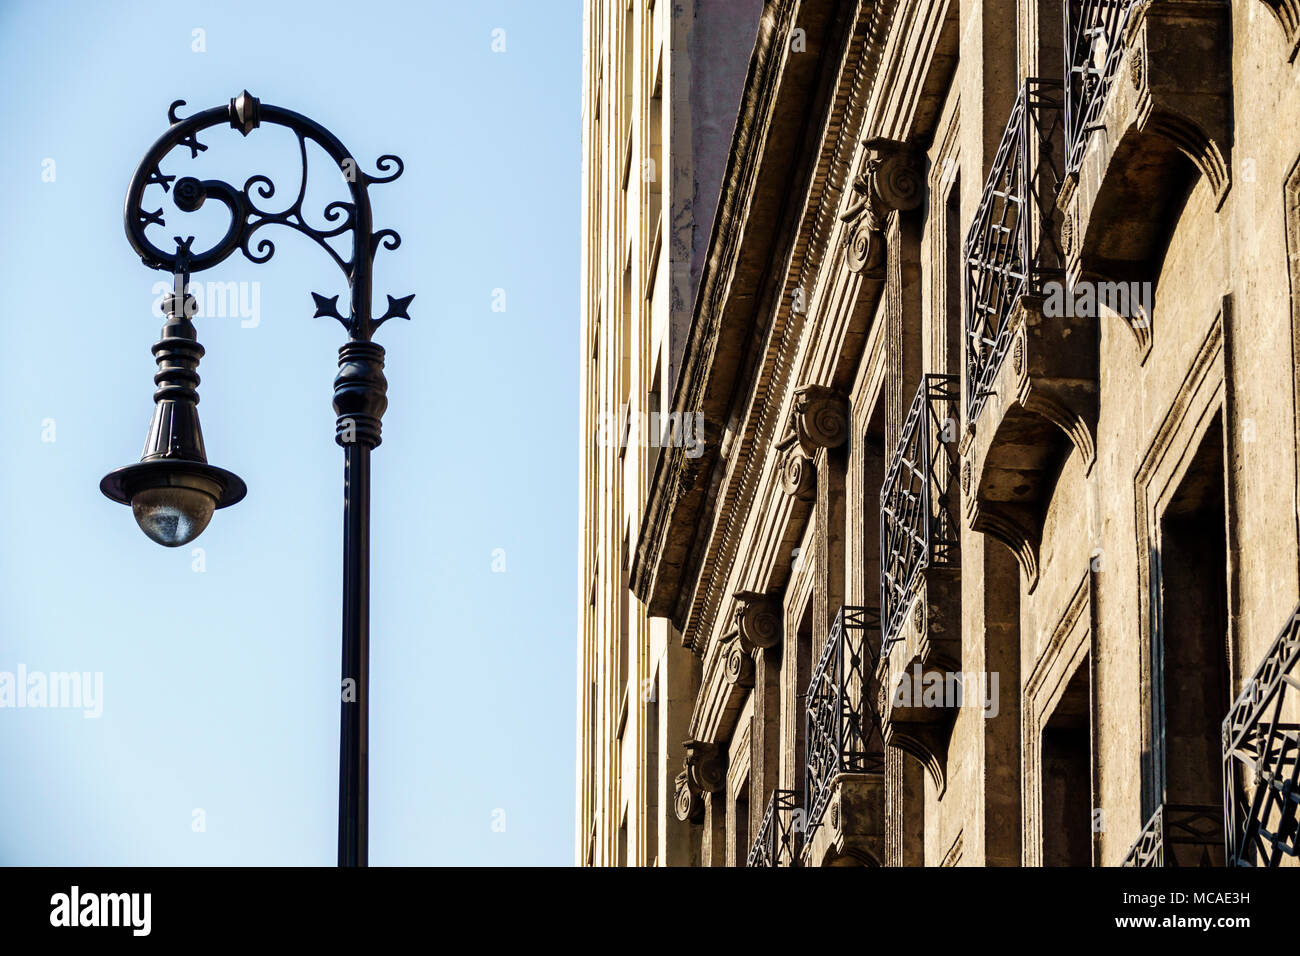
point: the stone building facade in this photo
(990, 554)
(661, 87)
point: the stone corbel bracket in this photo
(798, 473)
(688, 804)
(1043, 397)
(1180, 70)
(1170, 97)
(927, 648)
(853, 824)
(704, 771)
(892, 179)
(758, 621)
(738, 662)
(819, 418)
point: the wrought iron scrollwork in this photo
(1261, 758)
(1179, 835)
(1012, 248)
(919, 527)
(842, 726)
(249, 214)
(777, 841)
(1094, 44)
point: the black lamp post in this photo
(173, 490)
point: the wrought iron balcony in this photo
(1262, 749)
(1179, 835)
(1094, 42)
(842, 725)
(918, 516)
(1013, 248)
(776, 843)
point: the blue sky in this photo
(220, 685)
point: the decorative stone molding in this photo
(1016, 527)
(892, 178)
(925, 743)
(1288, 17)
(685, 545)
(1135, 69)
(1291, 212)
(758, 620)
(738, 662)
(1063, 648)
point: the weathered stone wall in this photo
(1076, 473)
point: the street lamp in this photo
(172, 490)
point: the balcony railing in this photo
(776, 843)
(918, 516)
(1179, 835)
(1094, 42)
(842, 726)
(1261, 746)
(1012, 248)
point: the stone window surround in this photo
(945, 168)
(807, 583)
(1200, 399)
(1069, 647)
(738, 777)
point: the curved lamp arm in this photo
(174, 455)
(246, 113)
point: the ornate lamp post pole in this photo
(173, 490)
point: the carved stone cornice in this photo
(800, 120)
(892, 178)
(767, 154)
(758, 620)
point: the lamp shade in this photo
(172, 490)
